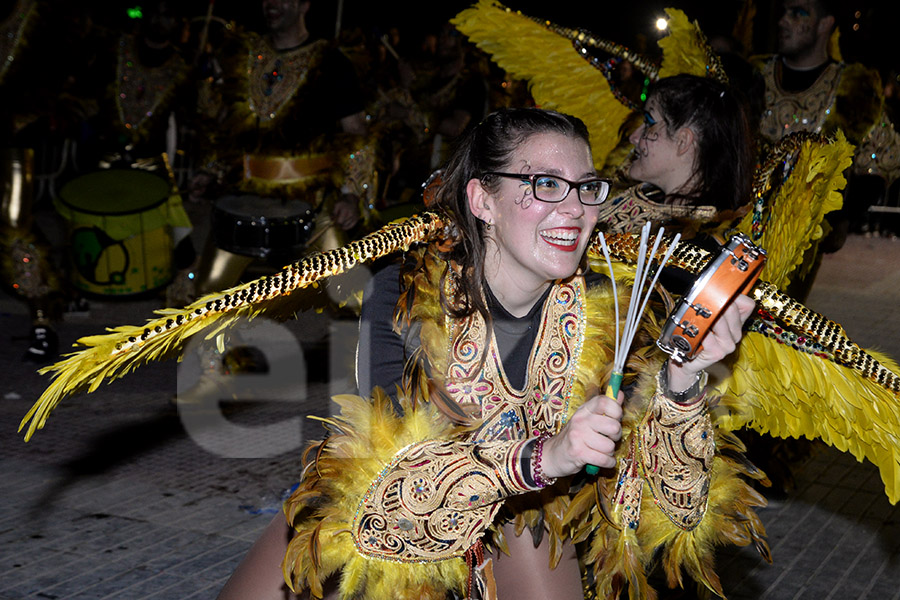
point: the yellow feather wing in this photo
(792, 219)
(558, 77)
(685, 49)
(776, 389)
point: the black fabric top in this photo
(382, 353)
(795, 80)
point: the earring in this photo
(488, 226)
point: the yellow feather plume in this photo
(115, 354)
(685, 50)
(558, 77)
(793, 218)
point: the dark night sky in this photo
(873, 43)
(621, 21)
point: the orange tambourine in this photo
(733, 272)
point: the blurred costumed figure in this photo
(289, 151)
(26, 265)
(809, 88)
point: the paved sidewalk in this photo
(114, 500)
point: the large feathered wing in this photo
(787, 219)
(559, 79)
(779, 389)
(112, 355)
(686, 50)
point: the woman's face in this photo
(532, 242)
(657, 158)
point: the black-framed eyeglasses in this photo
(553, 188)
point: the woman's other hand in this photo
(588, 438)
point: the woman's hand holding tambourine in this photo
(722, 339)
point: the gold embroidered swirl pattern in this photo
(676, 449)
(542, 404)
(434, 500)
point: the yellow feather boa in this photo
(368, 434)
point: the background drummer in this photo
(289, 127)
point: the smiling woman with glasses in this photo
(553, 188)
(480, 353)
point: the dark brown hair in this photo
(724, 165)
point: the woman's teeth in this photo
(561, 237)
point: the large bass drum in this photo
(731, 273)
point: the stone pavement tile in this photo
(214, 565)
(175, 555)
(95, 533)
(84, 574)
(220, 572)
(163, 502)
(216, 524)
(36, 572)
(765, 580)
(22, 549)
(737, 568)
(182, 589)
(211, 514)
(119, 578)
(207, 594)
(152, 582)
(248, 528)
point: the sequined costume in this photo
(844, 96)
(25, 266)
(275, 136)
(849, 399)
(410, 518)
(629, 209)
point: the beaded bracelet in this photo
(537, 474)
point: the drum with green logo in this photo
(119, 231)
